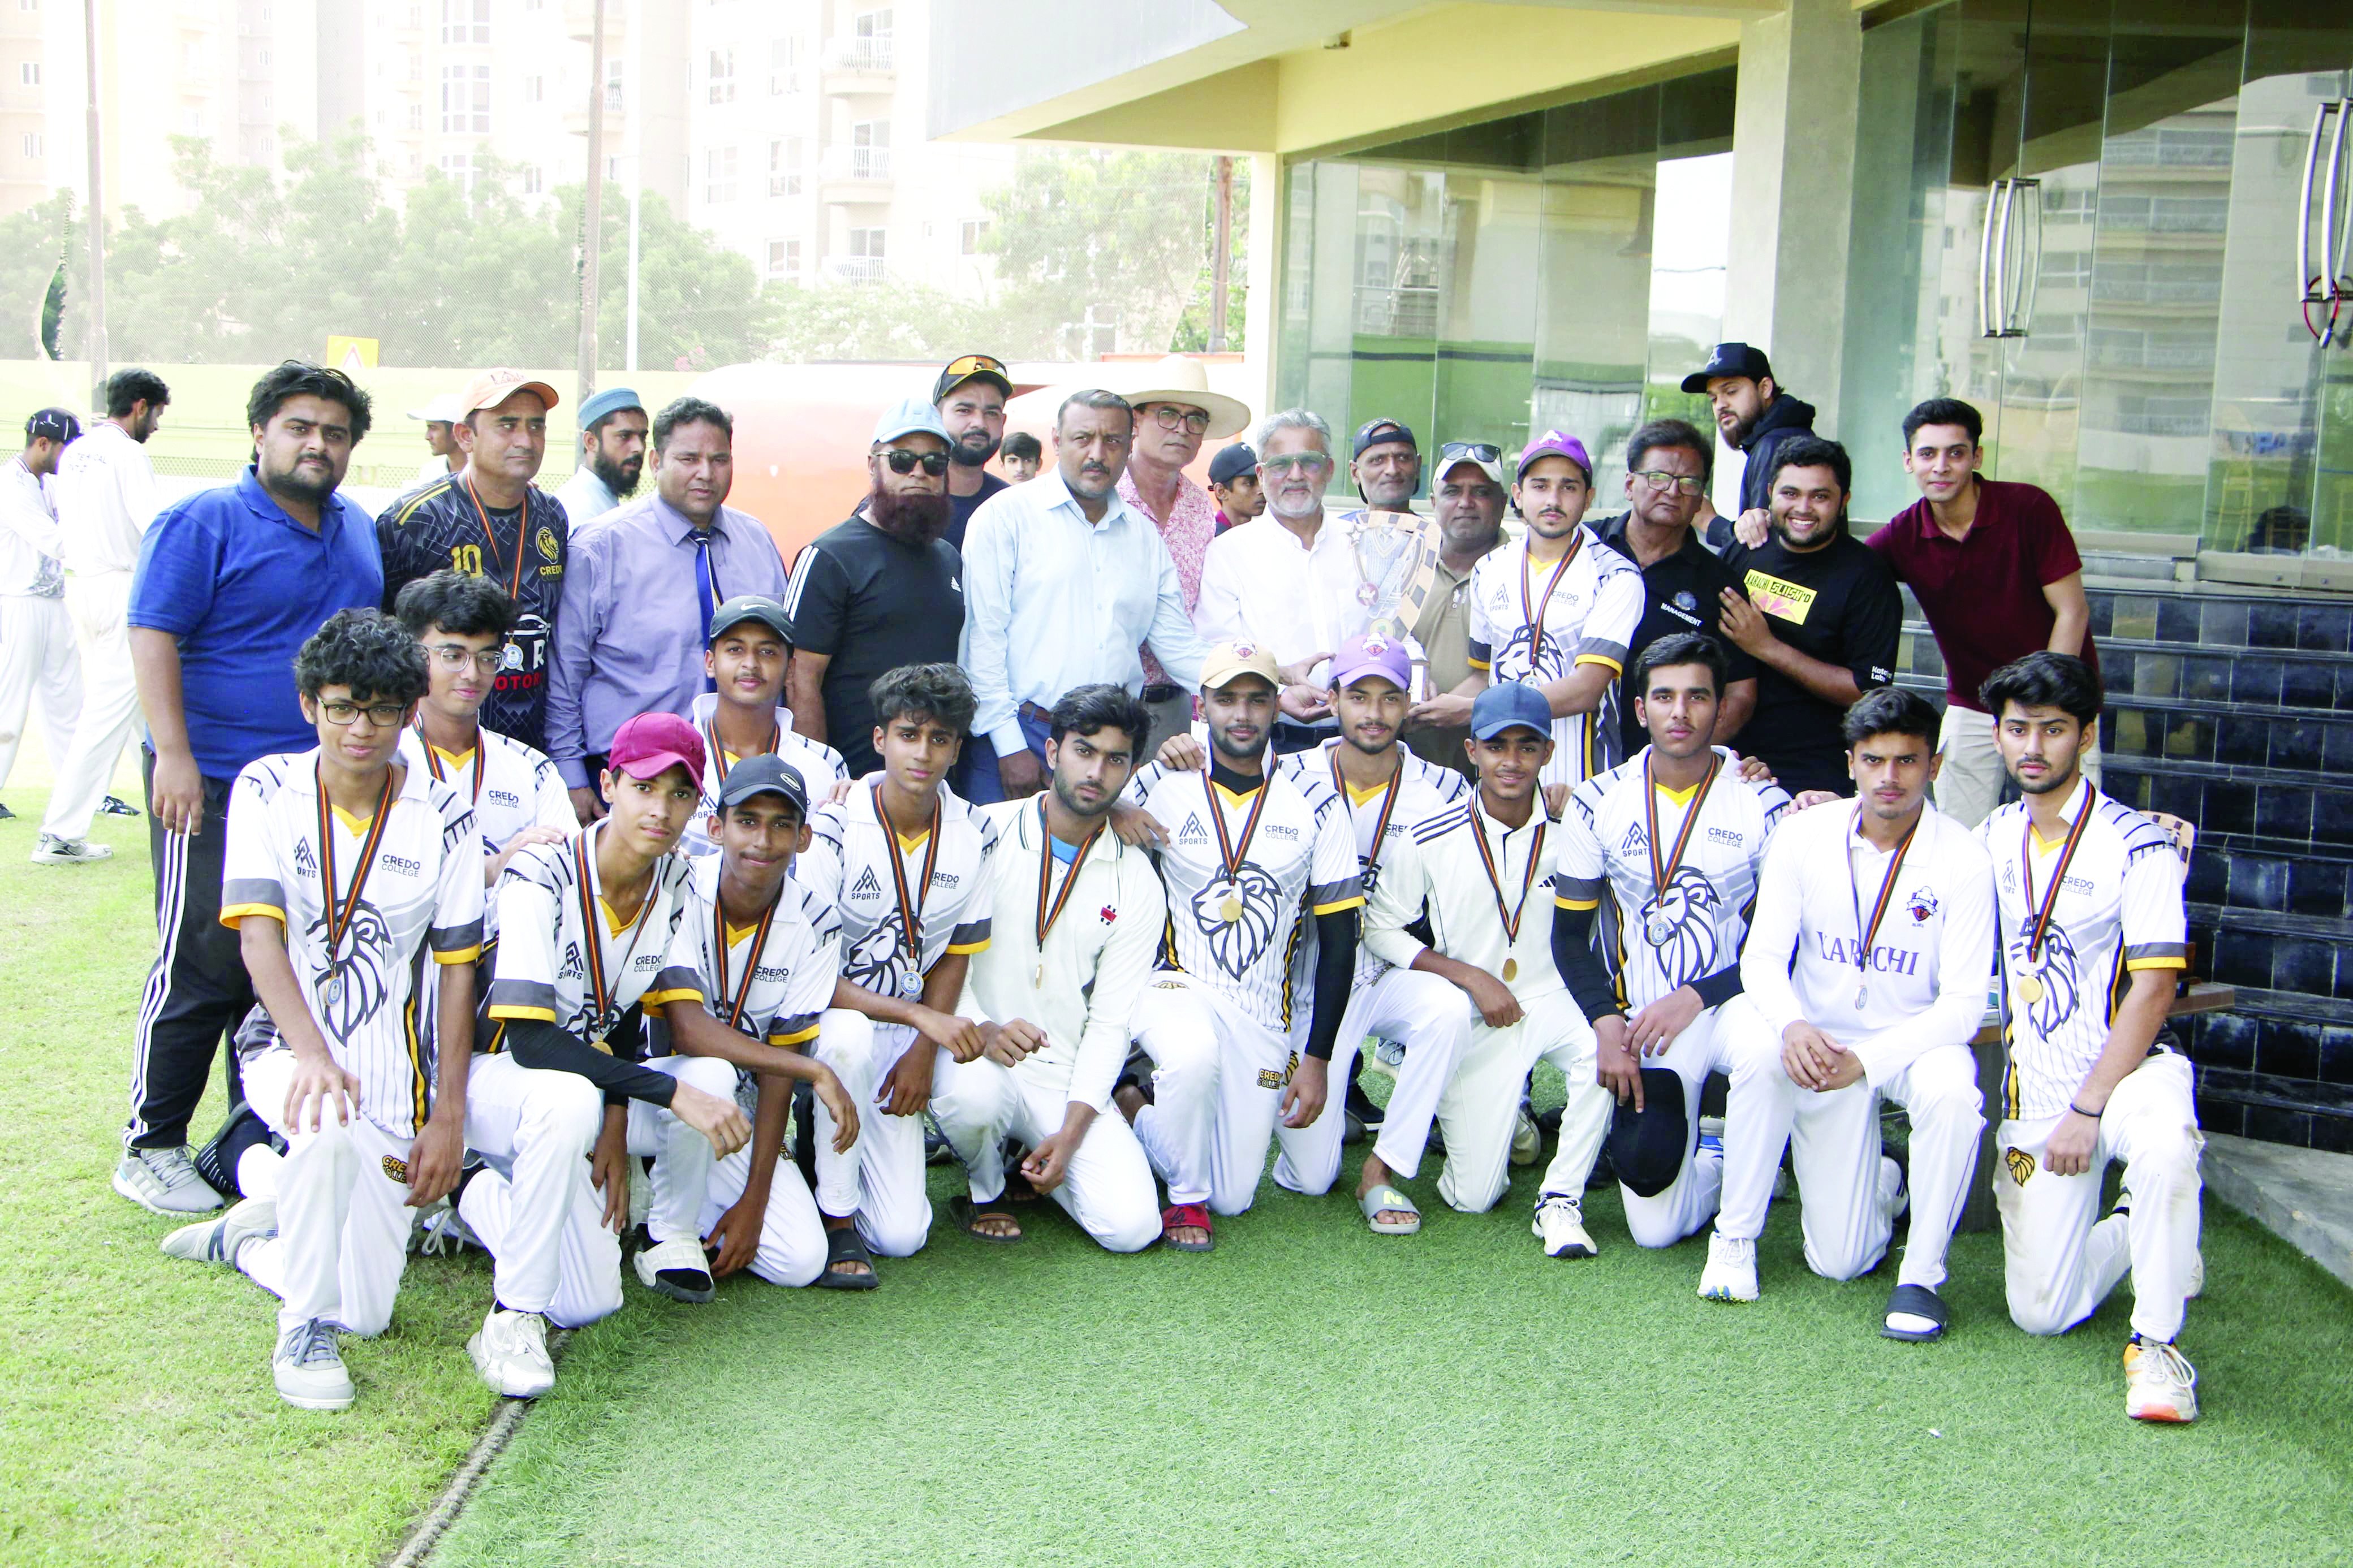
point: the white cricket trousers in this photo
(99, 604)
(2059, 1259)
(37, 659)
(1689, 1201)
(1107, 1187)
(534, 1208)
(342, 1211)
(1430, 1018)
(1480, 1107)
(1216, 1092)
(1969, 782)
(1834, 1148)
(881, 1180)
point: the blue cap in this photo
(1232, 463)
(1512, 705)
(911, 416)
(612, 400)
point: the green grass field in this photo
(1308, 1393)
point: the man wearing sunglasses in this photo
(1668, 466)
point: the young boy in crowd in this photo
(743, 715)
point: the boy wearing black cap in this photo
(36, 638)
(748, 660)
(1233, 485)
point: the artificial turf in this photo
(1307, 1394)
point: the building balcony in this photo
(853, 174)
(854, 268)
(865, 64)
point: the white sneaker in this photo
(2196, 1277)
(51, 850)
(1731, 1271)
(2159, 1385)
(309, 1370)
(510, 1351)
(677, 1268)
(1560, 1220)
(1527, 1139)
(217, 1241)
(1894, 1196)
(164, 1181)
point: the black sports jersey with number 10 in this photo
(442, 526)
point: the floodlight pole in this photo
(94, 215)
(592, 207)
(636, 110)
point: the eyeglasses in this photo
(456, 656)
(1682, 484)
(1308, 463)
(383, 715)
(902, 461)
(1172, 417)
(1477, 451)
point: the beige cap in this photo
(493, 387)
(1229, 661)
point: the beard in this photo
(621, 478)
(908, 519)
(973, 448)
(307, 485)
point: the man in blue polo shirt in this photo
(230, 583)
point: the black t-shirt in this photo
(1840, 605)
(961, 508)
(1681, 593)
(435, 527)
(869, 604)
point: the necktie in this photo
(703, 595)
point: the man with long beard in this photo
(883, 589)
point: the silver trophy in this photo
(1397, 568)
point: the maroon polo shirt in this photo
(1983, 593)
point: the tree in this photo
(883, 321)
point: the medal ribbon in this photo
(1865, 935)
(1511, 917)
(433, 760)
(491, 540)
(592, 927)
(2041, 924)
(1231, 852)
(911, 908)
(339, 911)
(1389, 803)
(719, 952)
(1528, 607)
(1661, 873)
(1048, 914)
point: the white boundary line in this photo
(419, 1548)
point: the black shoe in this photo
(935, 1148)
(115, 805)
(6, 815)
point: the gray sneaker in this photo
(217, 1241)
(309, 1370)
(164, 1181)
(52, 850)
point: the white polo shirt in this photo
(1380, 817)
(1588, 615)
(849, 866)
(548, 941)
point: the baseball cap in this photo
(1232, 463)
(911, 416)
(1729, 359)
(440, 410)
(612, 400)
(1485, 456)
(1229, 661)
(769, 613)
(648, 745)
(493, 387)
(970, 367)
(1646, 1149)
(1373, 655)
(1554, 444)
(1378, 432)
(56, 423)
(767, 773)
(1512, 705)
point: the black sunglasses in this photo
(902, 461)
(1477, 451)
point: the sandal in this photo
(1386, 1198)
(844, 1245)
(1182, 1216)
(1917, 1301)
(969, 1214)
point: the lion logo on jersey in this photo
(2020, 1163)
(351, 987)
(1532, 656)
(874, 961)
(2056, 969)
(1688, 904)
(1236, 944)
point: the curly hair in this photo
(367, 653)
(937, 692)
(457, 602)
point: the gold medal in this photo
(2030, 988)
(1038, 981)
(1230, 910)
(1511, 968)
(1231, 856)
(2029, 985)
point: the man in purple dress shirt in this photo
(638, 599)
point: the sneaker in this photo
(309, 1370)
(2159, 1385)
(164, 1181)
(1895, 1192)
(510, 1351)
(115, 805)
(443, 1233)
(52, 850)
(1731, 1271)
(1710, 1137)
(1560, 1220)
(1527, 1141)
(677, 1268)
(217, 1241)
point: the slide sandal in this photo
(969, 1214)
(1386, 1197)
(844, 1245)
(1914, 1301)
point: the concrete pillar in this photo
(1262, 311)
(1793, 143)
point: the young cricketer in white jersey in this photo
(554, 1106)
(1078, 915)
(743, 715)
(1666, 846)
(1556, 608)
(2092, 940)
(1386, 790)
(1248, 861)
(1863, 980)
(1475, 867)
(749, 974)
(899, 861)
(344, 873)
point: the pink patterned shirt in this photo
(1186, 531)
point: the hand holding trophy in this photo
(1396, 569)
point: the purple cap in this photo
(1554, 444)
(1373, 654)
